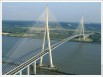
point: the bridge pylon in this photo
(82, 29)
(46, 34)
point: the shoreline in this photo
(55, 39)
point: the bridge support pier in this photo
(84, 39)
(79, 38)
(35, 67)
(41, 60)
(28, 70)
(20, 72)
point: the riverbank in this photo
(46, 70)
(58, 39)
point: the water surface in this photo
(71, 57)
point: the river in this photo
(71, 57)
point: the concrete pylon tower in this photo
(82, 28)
(48, 40)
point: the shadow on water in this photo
(70, 57)
(78, 50)
(75, 52)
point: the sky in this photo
(63, 11)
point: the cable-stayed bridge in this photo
(31, 57)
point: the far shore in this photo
(26, 36)
(5, 33)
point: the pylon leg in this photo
(21, 72)
(35, 67)
(51, 63)
(28, 70)
(41, 61)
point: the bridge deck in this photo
(35, 58)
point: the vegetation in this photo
(54, 34)
(96, 37)
(20, 29)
